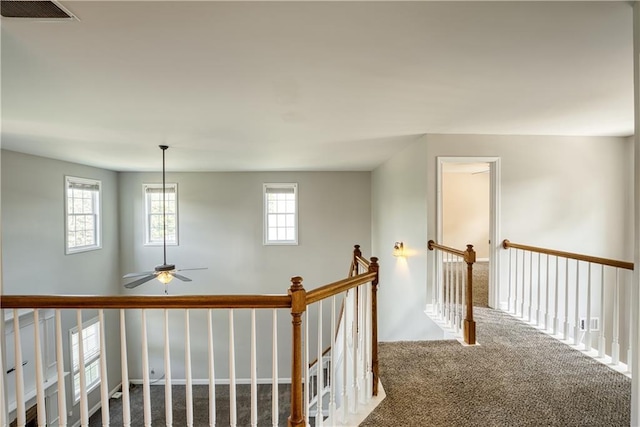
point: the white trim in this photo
(265, 239)
(147, 230)
(494, 217)
(97, 213)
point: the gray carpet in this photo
(518, 376)
(201, 406)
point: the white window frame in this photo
(147, 214)
(270, 188)
(91, 357)
(69, 183)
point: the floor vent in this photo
(33, 10)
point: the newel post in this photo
(469, 323)
(298, 306)
(355, 267)
(374, 267)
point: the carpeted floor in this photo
(201, 406)
(518, 376)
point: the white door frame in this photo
(494, 217)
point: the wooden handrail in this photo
(506, 244)
(338, 287)
(433, 245)
(145, 301)
(363, 261)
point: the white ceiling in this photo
(307, 85)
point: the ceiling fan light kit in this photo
(164, 272)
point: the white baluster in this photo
(547, 314)
(345, 394)
(463, 302)
(602, 343)
(307, 381)
(84, 404)
(187, 369)
(566, 300)
(168, 385)
(523, 284)
(104, 383)
(42, 413)
(319, 364)
(254, 372)
(456, 302)
(368, 346)
(615, 346)
(126, 409)
(146, 389)
(3, 402)
(62, 395)
(629, 323)
(556, 304)
(576, 328)
(274, 368)
(332, 367)
(354, 334)
(587, 338)
(515, 287)
(509, 304)
(17, 348)
(212, 372)
(233, 415)
(530, 310)
(538, 297)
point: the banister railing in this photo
(576, 297)
(506, 244)
(359, 353)
(454, 290)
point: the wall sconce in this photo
(398, 249)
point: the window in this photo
(280, 214)
(82, 205)
(154, 224)
(91, 352)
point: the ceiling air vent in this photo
(33, 10)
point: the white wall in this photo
(465, 211)
(567, 193)
(221, 226)
(33, 245)
(399, 213)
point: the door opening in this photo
(468, 211)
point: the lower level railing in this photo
(581, 299)
(149, 329)
(453, 293)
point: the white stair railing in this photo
(35, 343)
(580, 299)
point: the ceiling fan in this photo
(165, 272)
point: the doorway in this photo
(468, 211)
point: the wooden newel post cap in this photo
(356, 250)
(296, 283)
(470, 255)
(298, 295)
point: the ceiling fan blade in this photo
(139, 282)
(142, 273)
(191, 269)
(181, 277)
